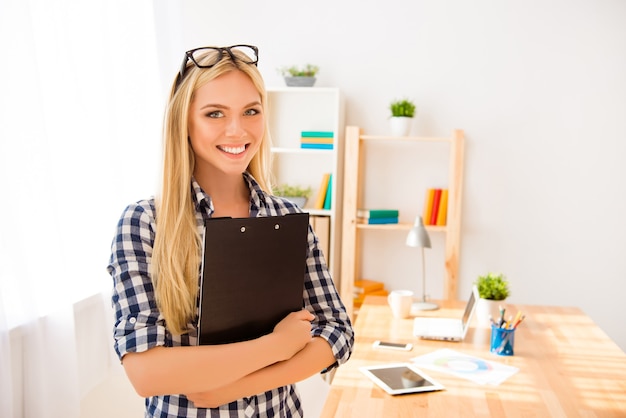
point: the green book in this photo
(377, 213)
(318, 134)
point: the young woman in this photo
(216, 163)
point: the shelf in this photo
(304, 151)
(355, 188)
(400, 227)
(293, 110)
(318, 212)
(405, 138)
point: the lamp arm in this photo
(423, 276)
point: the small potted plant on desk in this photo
(493, 289)
(300, 76)
(297, 194)
(402, 113)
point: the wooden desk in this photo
(568, 367)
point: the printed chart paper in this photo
(468, 367)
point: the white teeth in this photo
(233, 150)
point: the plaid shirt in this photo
(139, 325)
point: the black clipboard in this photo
(252, 275)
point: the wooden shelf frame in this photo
(353, 167)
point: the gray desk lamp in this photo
(418, 238)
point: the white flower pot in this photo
(300, 81)
(401, 125)
(486, 308)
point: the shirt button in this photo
(132, 320)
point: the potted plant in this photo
(492, 286)
(297, 194)
(402, 113)
(296, 76)
(492, 290)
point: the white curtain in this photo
(80, 121)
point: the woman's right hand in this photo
(293, 332)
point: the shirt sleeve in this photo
(322, 299)
(138, 323)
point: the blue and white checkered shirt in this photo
(139, 325)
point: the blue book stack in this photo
(378, 216)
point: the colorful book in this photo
(377, 213)
(321, 194)
(362, 286)
(315, 146)
(435, 210)
(317, 134)
(442, 214)
(315, 140)
(329, 193)
(365, 287)
(428, 206)
(359, 299)
(379, 221)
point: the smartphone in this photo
(393, 346)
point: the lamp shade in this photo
(418, 237)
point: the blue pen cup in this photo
(502, 341)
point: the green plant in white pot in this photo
(297, 194)
(493, 289)
(402, 114)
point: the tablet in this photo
(401, 378)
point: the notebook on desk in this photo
(252, 275)
(446, 329)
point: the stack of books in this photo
(436, 207)
(377, 216)
(365, 287)
(317, 139)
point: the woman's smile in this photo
(233, 149)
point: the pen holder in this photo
(502, 341)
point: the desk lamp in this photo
(418, 238)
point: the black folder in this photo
(252, 275)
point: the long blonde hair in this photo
(177, 246)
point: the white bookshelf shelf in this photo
(291, 111)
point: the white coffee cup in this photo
(400, 302)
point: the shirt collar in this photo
(203, 202)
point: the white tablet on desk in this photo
(401, 378)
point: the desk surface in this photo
(568, 367)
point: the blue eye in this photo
(251, 112)
(215, 114)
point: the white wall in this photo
(539, 88)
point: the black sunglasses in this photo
(250, 56)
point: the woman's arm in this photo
(170, 370)
(316, 356)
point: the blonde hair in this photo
(177, 246)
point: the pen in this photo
(517, 319)
(521, 318)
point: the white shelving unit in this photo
(291, 111)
